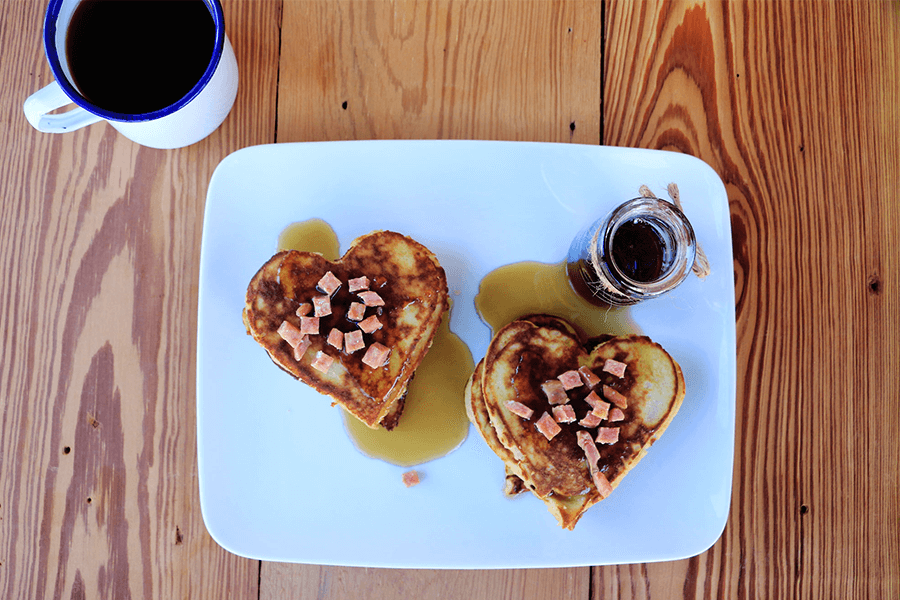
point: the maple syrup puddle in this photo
(434, 421)
(519, 289)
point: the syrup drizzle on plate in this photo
(434, 421)
(523, 288)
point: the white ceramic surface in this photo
(279, 478)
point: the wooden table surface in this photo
(796, 105)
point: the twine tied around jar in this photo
(700, 268)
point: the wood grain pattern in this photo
(298, 581)
(800, 120)
(98, 490)
(521, 70)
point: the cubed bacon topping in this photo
(370, 325)
(411, 478)
(301, 348)
(590, 420)
(357, 311)
(309, 325)
(570, 379)
(517, 408)
(589, 377)
(615, 367)
(371, 299)
(616, 414)
(322, 362)
(290, 333)
(615, 397)
(564, 413)
(593, 399)
(329, 283)
(358, 284)
(304, 309)
(590, 449)
(376, 355)
(548, 426)
(598, 406)
(353, 341)
(602, 483)
(555, 391)
(593, 455)
(336, 338)
(322, 306)
(607, 435)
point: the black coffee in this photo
(138, 56)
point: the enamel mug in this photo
(185, 121)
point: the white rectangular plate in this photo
(279, 478)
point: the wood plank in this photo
(280, 581)
(796, 106)
(99, 267)
(519, 70)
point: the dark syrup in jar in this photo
(638, 251)
(643, 248)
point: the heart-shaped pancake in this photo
(506, 401)
(398, 297)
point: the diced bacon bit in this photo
(329, 283)
(322, 305)
(615, 367)
(411, 478)
(302, 347)
(600, 408)
(590, 420)
(357, 311)
(602, 483)
(322, 362)
(370, 325)
(376, 355)
(304, 309)
(616, 414)
(615, 397)
(590, 378)
(336, 338)
(353, 341)
(590, 449)
(309, 325)
(371, 299)
(555, 391)
(564, 413)
(358, 284)
(517, 408)
(607, 435)
(570, 379)
(548, 426)
(290, 333)
(593, 455)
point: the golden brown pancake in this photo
(534, 349)
(413, 286)
(567, 510)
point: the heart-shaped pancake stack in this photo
(568, 417)
(355, 329)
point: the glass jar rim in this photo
(679, 227)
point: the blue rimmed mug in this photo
(186, 121)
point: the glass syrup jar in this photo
(644, 248)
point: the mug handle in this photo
(50, 98)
